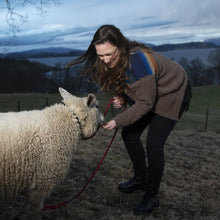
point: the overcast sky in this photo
(72, 23)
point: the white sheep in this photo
(36, 147)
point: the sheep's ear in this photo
(64, 93)
(91, 101)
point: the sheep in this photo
(36, 148)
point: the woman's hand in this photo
(117, 102)
(109, 125)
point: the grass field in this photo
(205, 98)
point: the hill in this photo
(45, 52)
(64, 52)
(191, 45)
(215, 41)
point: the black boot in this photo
(147, 204)
(136, 183)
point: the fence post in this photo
(18, 106)
(206, 119)
(47, 101)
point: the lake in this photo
(53, 61)
(189, 54)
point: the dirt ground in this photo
(190, 187)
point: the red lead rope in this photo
(56, 206)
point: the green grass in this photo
(204, 98)
(27, 101)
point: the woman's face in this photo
(108, 53)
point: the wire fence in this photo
(206, 119)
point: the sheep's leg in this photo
(35, 210)
(22, 210)
(29, 210)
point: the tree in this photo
(197, 70)
(24, 76)
(15, 19)
(185, 64)
(209, 77)
(214, 59)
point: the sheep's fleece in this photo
(36, 148)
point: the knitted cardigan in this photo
(157, 84)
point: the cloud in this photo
(78, 37)
(151, 24)
(73, 23)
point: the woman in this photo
(158, 92)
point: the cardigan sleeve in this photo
(144, 95)
(143, 90)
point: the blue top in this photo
(141, 66)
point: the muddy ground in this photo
(190, 187)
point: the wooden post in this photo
(47, 101)
(18, 106)
(206, 119)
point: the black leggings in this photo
(159, 130)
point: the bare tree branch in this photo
(15, 20)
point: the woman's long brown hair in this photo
(111, 80)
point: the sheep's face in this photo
(86, 109)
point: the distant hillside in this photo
(191, 45)
(64, 52)
(215, 41)
(47, 52)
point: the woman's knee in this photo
(129, 135)
(124, 134)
